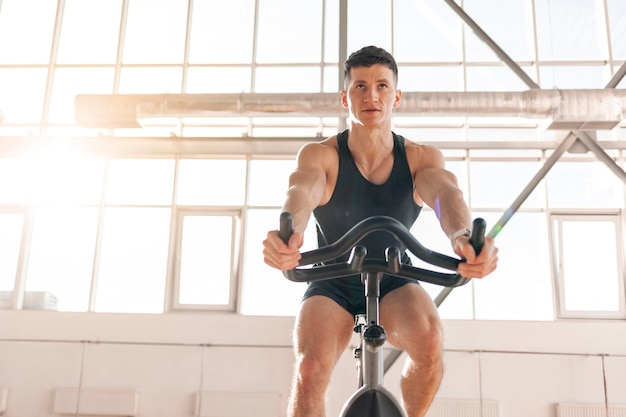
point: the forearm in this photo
(452, 211)
(303, 195)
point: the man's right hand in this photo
(279, 255)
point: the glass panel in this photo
(573, 77)
(68, 82)
(416, 21)
(495, 79)
(21, 94)
(570, 30)
(151, 80)
(431, 78)
(499, 20)
(155, 32)
(140, 181)
(331, 79)
(219, 80)
(17, 177)
(211, 182)
(205, 260)
(302, 20)
(67, 181)
(521, 287)
(331, 31)
(617, 24)
(373, 15)
(266, 292)
(269, 181)
(133, 262)
(26, 35)
(10, 238)
(590, 286)
(502, 134)
(497, 184)
(61, 255)
(288, 80)
(584, 185)
(222, 32)
(90, 30)
(459, 304)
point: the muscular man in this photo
(364, 171)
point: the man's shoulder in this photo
(324, 146)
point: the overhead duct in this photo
(566, 109)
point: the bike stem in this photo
(373, 335)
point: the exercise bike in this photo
(372, 399)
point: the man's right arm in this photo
(307, 188)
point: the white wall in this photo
(527, 367)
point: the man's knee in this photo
(314, 368)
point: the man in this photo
(368, 170)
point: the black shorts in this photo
(349, 292)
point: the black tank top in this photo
(355, 199)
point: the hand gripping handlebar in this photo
(357, 263)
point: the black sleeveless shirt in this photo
(355, 199)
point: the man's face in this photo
(371, 95)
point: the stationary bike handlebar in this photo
(357, 263)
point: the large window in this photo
(170, 214)
(589, 266)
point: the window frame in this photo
(236, 256)
(556, 238)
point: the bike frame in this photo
(372, 399)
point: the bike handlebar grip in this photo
(286, 226)
(477, 239)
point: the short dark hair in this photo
(368, 56)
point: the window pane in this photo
(590, 286)
(61, 255)
(288, 80)
(67, 180)
(331, 31)
(16, 180)
(584, 185)
(21, 93)
(26, 35)
(269, 181)
(459, 304)
(206, 259)
(302, 20)
(617, 23)
(265, 290)
(68, 82)
(498, 184)
(10, 238)
(155, 32)
(90, 31)
(219, 80)
(373, 15)
(499, 19)
(150, 80)
(573, 77)
(494, 79)
(211, 182)
(140, 181)
(221, 32)
(569, 30)
(428, 19)
(517, 290)
(431, 78)
(133, 262)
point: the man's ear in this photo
(344, 98)
(396, 103)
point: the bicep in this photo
(432, 180)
